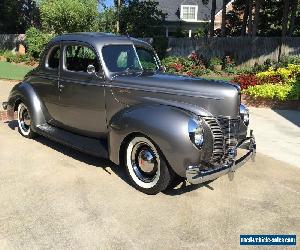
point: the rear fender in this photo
(24, 92)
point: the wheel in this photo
(146, 166)
(24, 121)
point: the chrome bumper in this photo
(196, 174)
(4, 105)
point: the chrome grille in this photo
(224, 131)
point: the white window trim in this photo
(189, 6)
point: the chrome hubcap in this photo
(144, 162)
(24, 118)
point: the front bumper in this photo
(196, 174)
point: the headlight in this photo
(196, 132)
(244, 112)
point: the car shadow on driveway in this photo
(178, 187)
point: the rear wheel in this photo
(24, 121)
(146, 166)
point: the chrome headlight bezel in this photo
(196, 131)
(244, 113)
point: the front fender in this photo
(24, 92)
(167, 126)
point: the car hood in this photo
(216, 97)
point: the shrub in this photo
(160, 44)
(285, 60)
(282, 92)
(280, 75)
(246, 81)
(214, 61)
(66, 16)
(36, 41)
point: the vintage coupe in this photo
(107, 95)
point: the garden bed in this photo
(257, 102)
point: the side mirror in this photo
(91, 69)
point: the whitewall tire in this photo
(24, 121)
(146, 166)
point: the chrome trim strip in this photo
(164, 91)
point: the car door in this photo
(45, 81)
(82, 95)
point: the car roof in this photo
(97, 39)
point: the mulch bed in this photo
(4, 116)
(267, 103)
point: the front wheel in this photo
(146, 166)
(24, 121)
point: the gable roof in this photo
(173, 7)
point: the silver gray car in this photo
(108, 96)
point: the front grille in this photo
(224, 131)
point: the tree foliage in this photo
(36, 41)
(108, 20)
(65, 16)
(141, 18)
(18, 15)
(271, 18)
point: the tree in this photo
(250, 21)
(141, 19)
(108, 20)
(256, 17)
(17, 16)
(293, 16)
(223, 25)
(65, 16)
(285, 17)
(212, 18)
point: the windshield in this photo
(125, 58)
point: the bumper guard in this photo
(196, 174)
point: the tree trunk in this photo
(250, 17)
(256, 17)
(119, 17)
(245, 19)
(293, 17)
(223, 25)
(212, 18)
(285, 17)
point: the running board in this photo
(95, 147)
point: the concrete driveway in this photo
(53, 197)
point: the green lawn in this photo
(222, 78)
(13, 71)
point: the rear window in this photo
(79, 57)
(54, 57)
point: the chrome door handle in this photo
(61, 86)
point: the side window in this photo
(53, 59)
(79, 57)
(147, 58)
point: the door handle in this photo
(61, 86)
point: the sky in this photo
(109, 2)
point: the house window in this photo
(189, 12)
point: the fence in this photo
(8, 41)
(245, 50)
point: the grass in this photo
(12, 71)
(222, 78)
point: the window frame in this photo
(157, 61)
(189, 6)
(46, 64)
(64, 58)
